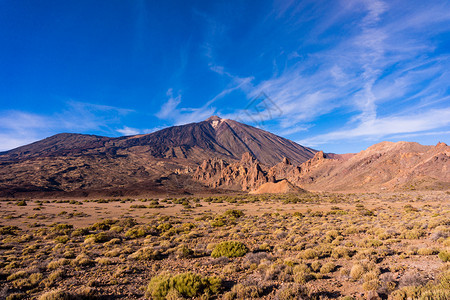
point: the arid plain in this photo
(308, 246)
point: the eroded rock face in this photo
(246, 174)
(283, 170)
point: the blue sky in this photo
(333, 75)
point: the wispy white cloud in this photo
(128, 131)
(421, 134)
(387, 126)
(170, 107)
(171, 111)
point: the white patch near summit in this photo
(215, 123)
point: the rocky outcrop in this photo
(283, 170)
(244, 175)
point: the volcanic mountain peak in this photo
(213, 118)
(215, 121)
(193, 142)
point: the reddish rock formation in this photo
(245, 174)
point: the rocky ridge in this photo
(384, 166)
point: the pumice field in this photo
(297, 246)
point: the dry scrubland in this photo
(309, 246)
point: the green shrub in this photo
(80, 232)
(16, 296)
(184, 252)
(292, 291)
(339, 252)
(56, 295)
(21, 203)
(164, 227)
(444, 255)
(10, 230)
(103, 225)
(62, 239)
(17, 275)
(309, 254)
(241, 291)
(357, 271)
(187, 285)
(136, 232)
(235, 213)
(218, 222)
(427, 251)
(100, 237)
(146, 253)
(327, 268)
(229, 249)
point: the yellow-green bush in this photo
(327, 268)
(146, 253)
(186, 284)
(241, 291)
(229, 249)
(444, 255)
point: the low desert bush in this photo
(186, 285)
(55, 264)
(339, 252)
(146, 253)
(17, 275)
(103, 225)
(229, 249)
(136, 232)
(56, 295)
(316, 265)
(427, 251)
(444, 255)
(371, 281)
(82, 260)
(309, 254)
(357, 271)
(53, 277)
(244, 291)
(100, 237)
(328, 268)
(292, 291)
(302, 273)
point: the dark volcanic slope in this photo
(63, 144)
(194, 142)
(218, 137)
